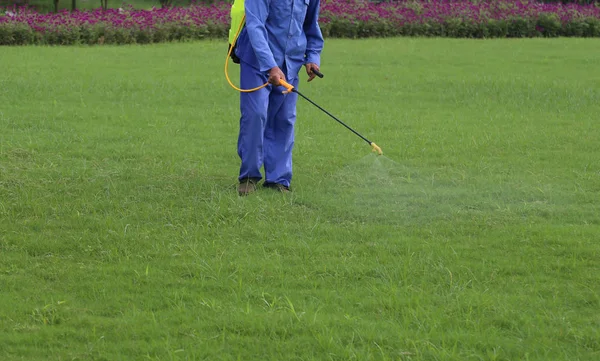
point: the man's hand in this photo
(275, 74)
(309, 68)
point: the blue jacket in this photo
(279, 31)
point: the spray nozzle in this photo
(376, 148)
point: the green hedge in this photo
(543, 26)
(20, 34)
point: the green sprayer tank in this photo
(237, 18)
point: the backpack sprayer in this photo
(238, 20)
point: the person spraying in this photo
(276, 39)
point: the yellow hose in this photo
(227, 63)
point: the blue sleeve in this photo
(256, 17)
(314, 37)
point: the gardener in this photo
(279, 37)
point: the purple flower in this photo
(397, 13)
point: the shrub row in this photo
(101, 33)
(516, 27)
(346, 19)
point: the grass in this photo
(473, 238)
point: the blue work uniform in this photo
(283, 33)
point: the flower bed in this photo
(115, 26)
(459, 18)
(346, 18)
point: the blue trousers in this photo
(266, 136)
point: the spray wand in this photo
(291, 88)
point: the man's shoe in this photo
(277, 186)
(246, 187)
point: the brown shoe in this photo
(246, 187)
(277, 186)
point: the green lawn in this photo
(474, 237)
